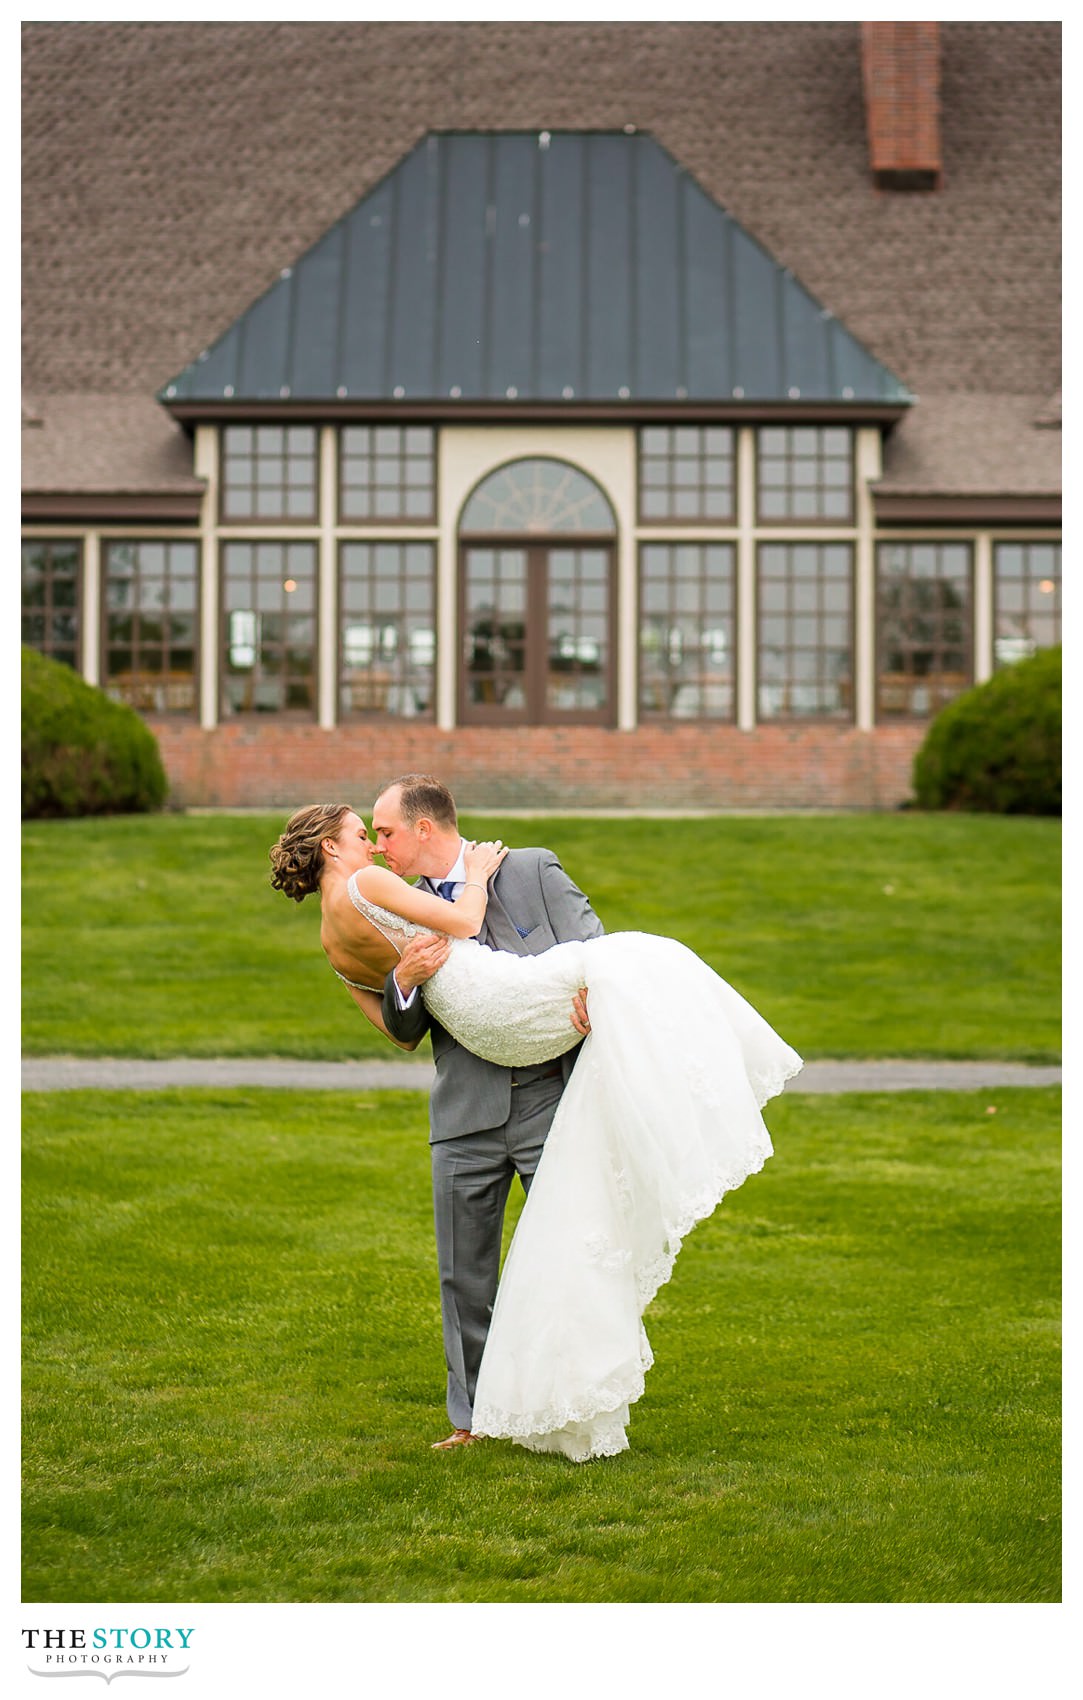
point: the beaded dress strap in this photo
(358, 985)
(369, 911)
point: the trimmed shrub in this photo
(82, 753)
(996, 748)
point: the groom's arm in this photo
(371, 1004)
(406, 1026)
(569, 909)
(405, 1018)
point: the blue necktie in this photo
(446, 890)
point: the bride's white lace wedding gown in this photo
(660, 1118)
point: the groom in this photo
(487, 1123)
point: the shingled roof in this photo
(106, 444)
(201, 159)
(953, 449)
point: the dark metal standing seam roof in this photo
(541, 267)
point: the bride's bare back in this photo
(353, 946)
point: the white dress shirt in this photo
(456, 872)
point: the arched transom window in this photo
(538, 496)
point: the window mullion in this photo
(90, 608)
(327, 601)
(207, 465)
(746, 579)
(983, 607)
(867, 471)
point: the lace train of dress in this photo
(660, 1118)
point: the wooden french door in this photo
(537, 621)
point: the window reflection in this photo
(269, 606)
(50, 598)
(495, 588)
(388, 640)
(1027, 596)
(150, 594)
(578, 629)
(805, 660)
(686, 631)
(924, 626)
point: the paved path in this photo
(49, 1074)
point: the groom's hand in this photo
(580, 1019)
(425, 953)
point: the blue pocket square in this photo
(522, 931)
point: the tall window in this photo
(924, 626)
(686, 472)
(536, 598)
(805, 654)
(269, 620)
(805, 472)
(269, 472)
(387, 472)
(387, 630)
(51, 598)
(149, 625)
(1027, 599)
(686, 630)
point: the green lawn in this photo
(233, 1367)
(901, 935)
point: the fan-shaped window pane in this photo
(539, 496)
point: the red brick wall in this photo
(283, 766)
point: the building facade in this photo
(535, 465)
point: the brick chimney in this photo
(901, 71)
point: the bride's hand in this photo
(482, 860)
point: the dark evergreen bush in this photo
(996, 748)
(82, 754)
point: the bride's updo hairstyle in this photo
(297, 860)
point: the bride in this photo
(660, 1118)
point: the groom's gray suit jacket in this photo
(532, 905)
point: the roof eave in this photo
(901, 507)
(112, 506)
(190, 412)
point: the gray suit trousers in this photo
(471, 1179)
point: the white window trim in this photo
(746, 658)
(205, 465)
(90, 637)
(327, 633)
(983, 607)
